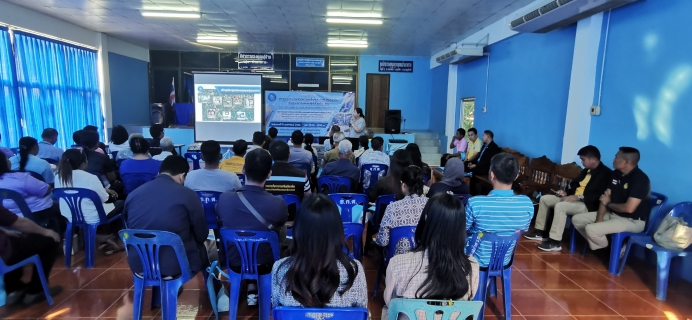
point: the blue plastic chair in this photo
(241, 177)
(247, 242)
(501, 245)
(133, 181)
(194, 157)
(7, 194)
(396, 234)
(380, 206)
(74, 197)
(346, 202)
(432, 307)
(147, 244)
(370, 173)
(36, 175)
(305, 167)
(299, 313)
(15, 150)
(464, 198)
(663, 256)
(209, 200)
(333, 184)
(291, 199)
(656, 202)
(39, 269)
(354, 232)
(51, 160)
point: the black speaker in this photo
(392, 122)
(161, 113)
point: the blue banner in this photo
(309, 112)
(302, 62)
(256, 61)
(396, 66)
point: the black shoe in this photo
(550, 245)
(15, 297)
(536, 235)
(30, 299)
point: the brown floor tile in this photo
(530, 262)
(626, 303)
(34, 311)
(592, 280)
(371, 278)
(520, 281)
(599, 317)
(633, 280)
(598, 262)
(375, 305)
(550, 280)
(536, 303)
(73, 279)
(196, 283)
(194, 303)
(564, 262)
(85, 303)
(102, 261)
(524, 248)
(548, 317)
(676, 303)
(495, 306)
(580, 303)
(112, 279)
(77, 260)
(122, 309)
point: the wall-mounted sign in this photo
(256, 61)
(396, 66)
(302, 62)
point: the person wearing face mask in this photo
(165, 204)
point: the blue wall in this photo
(527, 91)
(438, 98)
(408, 92)
(129, 80)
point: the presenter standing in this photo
(357, 126)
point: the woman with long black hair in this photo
(391, 184)
(27, 161)
(318, 273)
(438, 268)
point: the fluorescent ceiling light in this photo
(278, 81)
(172, 14)
(354, 14)
(338, 41)
(341, 82)
(262, 70)
(354, 21)
(347, 45)
(347, 78)
(343, 64)
(219, 41)
(224, 38)
(272, 76)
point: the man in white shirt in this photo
(211, 178)
(376, 156)
(46, 148)
(167, 147)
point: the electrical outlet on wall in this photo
(484, 109)
(596, 110)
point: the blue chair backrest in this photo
(133, 181)
(51, 160)
(241, 177)
(209, 200)
(370, 173)
(194, 157)
(305, 167)
(299, 313)
(291, 199)
(333, 184)
(683, 210)
(501, 246)
(380, 205)
(426, 179)
(346, 201)
(15, 150)
(147, 245)
(464, 198)
(33, 174)
(247, 242)
(433, 308)
(7, 194)
(74, 197)
(398, 233)
(656, 202)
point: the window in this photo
(468, 105)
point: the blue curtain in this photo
(10, 127)
(58, 87)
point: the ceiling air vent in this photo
(554, 14)
(517, 22)
(532, 15)
(549, 7)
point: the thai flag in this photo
(171, 98)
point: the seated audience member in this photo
(286, 178)
(211, 178)
(375, 156)
(72, 174)
(329, 143)
(28, 161)
(167, 149)
(300, 158)
(8, 153)
(364, 144)
(237, 161)
(405, 212)
(473, 148)
(156, 131)
(257, 140)
(500, 212)
(46, 148)
(309, 140)
(318, 273)
(624, 207)
(127, 153)
(267, 142)
(15, 247)
(77, 139)
(432, 269)
(459, 144)
(36, 194)
(452, 181)
(333, 155)
(140, 163)
(343, 167)
(119, 139)
(101, 146)
(98, 163)
(481, 165)
(164, 204)
(417, 158)
(581, 196)
(272, 133)
(391, 184)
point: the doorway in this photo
(376, 99)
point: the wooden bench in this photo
(564, 174)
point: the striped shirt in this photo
(500, 212)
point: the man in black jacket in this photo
(481, 165)
(581, 196)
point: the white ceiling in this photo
(411, 27)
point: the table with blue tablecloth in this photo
(183, 111)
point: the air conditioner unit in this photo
(555, 14)
(460, 55)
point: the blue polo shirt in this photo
(500, 212)
(35, 164)
(49, 151)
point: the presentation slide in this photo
(228, 106)
(310, 112)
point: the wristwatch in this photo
(581, 197)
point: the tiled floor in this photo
(544, 286)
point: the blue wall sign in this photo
(396, 66)
(302, 62)
(256, 61)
